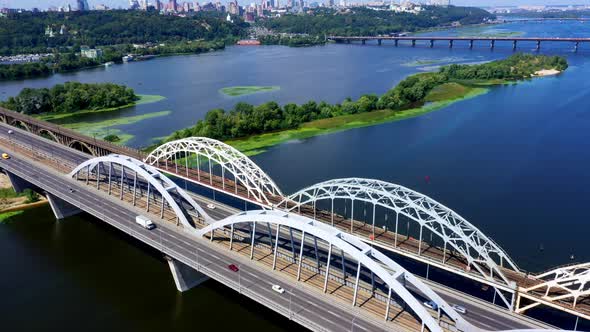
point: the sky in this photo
(43, 4)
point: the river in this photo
(514, 162)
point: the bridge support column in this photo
(363, 41)
(413, 42)
(379, 42)
(348, 41)
(471, 44)
(19, 185)
(514, 45)
(492, 44)
(576, 46)
(451, 43)
(184, 276)
(396, 42)
(538, 45)
(61, 209)
(431, 43)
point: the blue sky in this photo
(124, 3)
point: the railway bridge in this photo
(361, 219)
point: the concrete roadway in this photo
(303, 302)
(480, 313)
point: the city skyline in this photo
(44, 4)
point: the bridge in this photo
(451, 40)
(302, 241)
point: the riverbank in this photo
(437, 99)
(13, 203)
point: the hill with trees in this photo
(367, 22)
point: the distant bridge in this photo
(451, 40)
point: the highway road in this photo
(198, 253)
(482, 314)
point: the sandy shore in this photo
(547, 72)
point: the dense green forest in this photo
(245, 119)
(293, 41)
(367, 22)
(25, 32)
(70, 97)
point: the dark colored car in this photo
(233, 267)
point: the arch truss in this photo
(245, 172)
(394, 276)
(566, 284)
(479, 251)
(142, 182)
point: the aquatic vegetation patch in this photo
(101, 129)
(235, 91)
(143, 99)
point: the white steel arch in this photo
(479, 250)
(564, 283)
(162, 184)
(394, 275)
(245, 171)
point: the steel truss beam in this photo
(245, 171)
(376, 262)
(480, 251)
(156, 182)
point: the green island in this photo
(235, 91)
(251, 129)
(71, 103)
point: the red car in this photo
(233, 267)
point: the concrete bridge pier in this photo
(431, 43)
(348, 41)
(413, 42)
(61, 209)
(19, 185)
(396, 42)
(538, 45)
(379, 42)
(185, 277)
(492, 44)
(450, 43)
(514, 45)
(363, 41)
(471, 44)
(576, 46)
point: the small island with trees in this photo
(252, 128)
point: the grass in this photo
(143, 99)
(5, 217)
(103, 128)
(8, 193)
(443, 96)
(235, 91)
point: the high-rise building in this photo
(173, 5)
(83, 5)
(133, 4)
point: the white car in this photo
(211, 206)
(278, 289)
(10, 131)
(459, 308)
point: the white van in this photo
(145, 222)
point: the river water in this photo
(514, 162)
